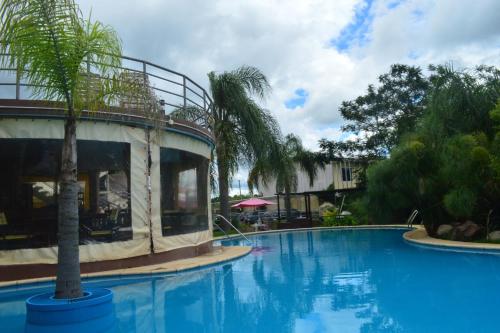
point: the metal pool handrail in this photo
(237, 230)
(412, 217)
(218, 227)
(167, 88)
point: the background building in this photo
(337, 175)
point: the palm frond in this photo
(53, 48)
(254, 81)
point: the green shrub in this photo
(330, 217)
(460, 202)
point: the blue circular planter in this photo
(93, 312)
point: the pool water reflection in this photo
(311, 281)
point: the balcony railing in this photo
(161, 90)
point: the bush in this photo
(331, 218)
(460, 202)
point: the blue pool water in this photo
(309, 281)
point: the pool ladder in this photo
(225, 233)
(412, 217)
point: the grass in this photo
(218, 233)
(484, 240)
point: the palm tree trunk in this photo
(288, 204)
(224, 193)
(68, 283)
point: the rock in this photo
(472, 232)
(494, 235)
(464, 226)
(444, 231)
(466, 231)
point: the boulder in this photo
(444, 231)
(494, 235)
(464, 226)
(466, 231)
(473, 232)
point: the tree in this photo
(285, 158)
(50, 43)
(383, 115)
(243, 130)
(447, 168)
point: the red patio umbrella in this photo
(254, 202)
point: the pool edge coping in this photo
(420, 237)
(365, 226)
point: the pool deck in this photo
(219, 255)
(420, 237)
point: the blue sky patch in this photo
(356, 32)
(298, 100)
(394, 4)
(417, 14)
(414, 55)
(344, 136)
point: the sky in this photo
(315, 53)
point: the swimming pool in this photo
(361, 280)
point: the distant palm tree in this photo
(50, 44)
(243, 130)
(282, 165)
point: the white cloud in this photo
(290, 42)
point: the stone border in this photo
(420, 237)
(219, 255)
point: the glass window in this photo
(346, 174)
(184, 193)
(29, 189)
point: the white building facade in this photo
(338, 175)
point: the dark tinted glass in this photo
(183, 192)
(29, 190)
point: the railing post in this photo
(145, 85)
(205, 111)
(184, 90)
(87, 97)
(18, 85)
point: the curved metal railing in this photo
(231, 225)
(411, 218)
(166, 89)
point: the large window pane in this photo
(183, 192)
(29, 189)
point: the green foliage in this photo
(331, 218)
(383, 115)
(281, 164)
(460, 203)
(234, 197)
(50, 43)
(356, 204)
(448, 167)
(244, 132)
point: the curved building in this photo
(144, 180)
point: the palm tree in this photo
(51, 45)
(282, 164)
(243, 130)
